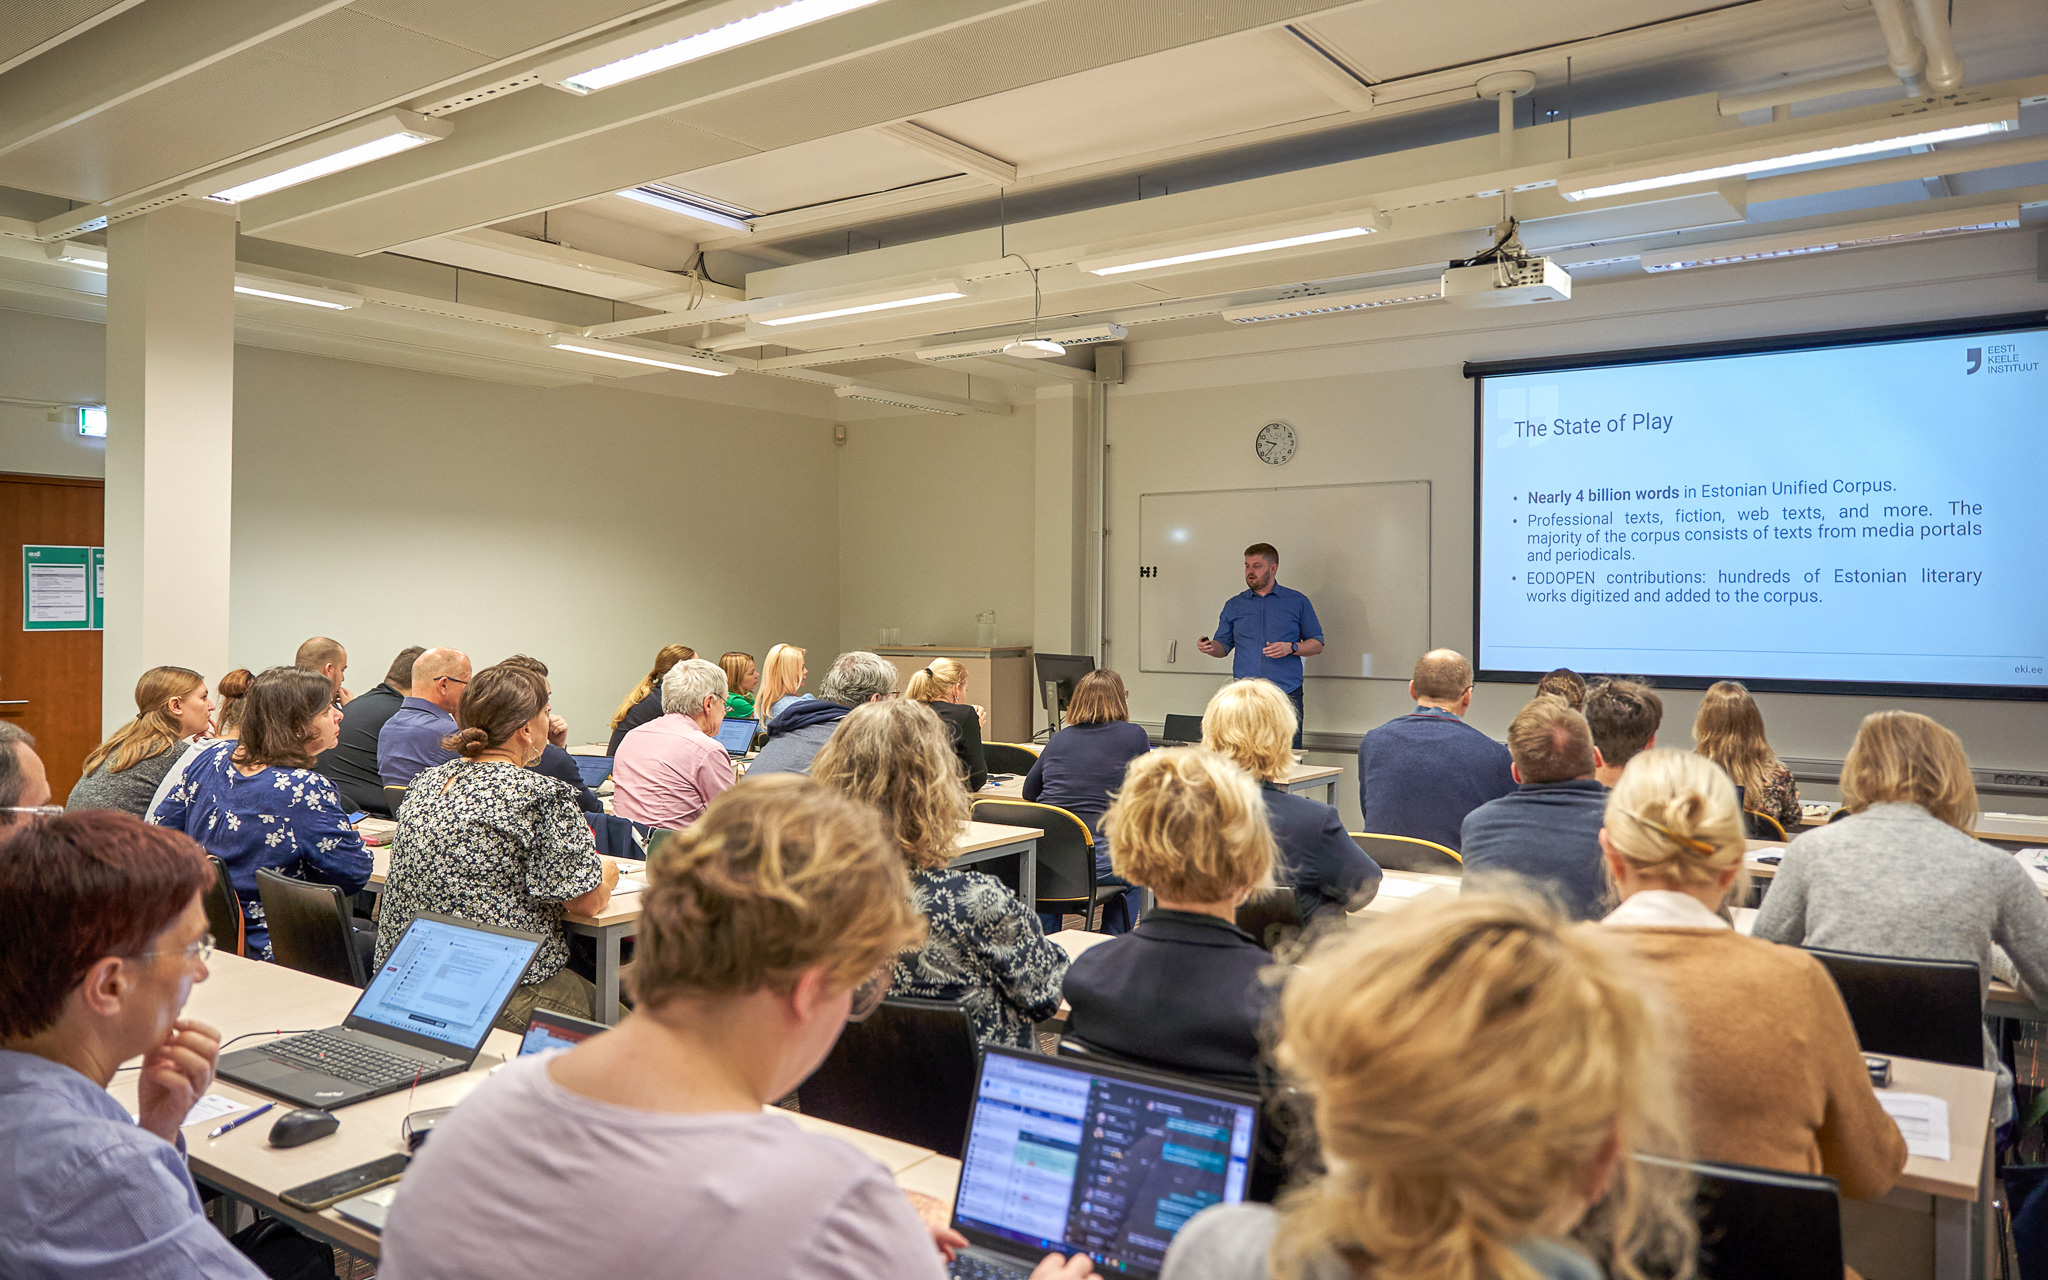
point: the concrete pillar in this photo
(1061, 527)
(170, 445)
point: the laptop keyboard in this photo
(970, 1267)
(346, 1059)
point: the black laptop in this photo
(425, 1015)
(1183, 729)
(1079, 1157)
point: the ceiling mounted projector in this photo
(1505, 276)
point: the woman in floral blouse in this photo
(258, 803)
(484, 838)
(985, 948)
(1729, 730)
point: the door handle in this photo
(13, 702)
(1173, 650)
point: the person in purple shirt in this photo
(1271, 627)
(411, 739)
(1420, 774)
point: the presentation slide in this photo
(1870, 515)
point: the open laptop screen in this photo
(445, 981)
(736, 735)
(1064, 1157)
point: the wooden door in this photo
(49, 680)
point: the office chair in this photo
(1762, 826)
(1409, 853)
(394, 797)
(309, 928)
(1066, 856)
(224, 911)
(1928, 1009)
(1271, 916)
(1760, 1222)
(1009, 757)
(907, 1072)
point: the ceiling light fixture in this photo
(305, 295)
(678, 358)
(1861, 235)
(1915, 129)
(1323, 304)
(1034, 349)
(1261, 240)
(1081, 337)
(901, 400)
(704, 31)
(669, 200)
(910, 295)
(78, 255)
(344, 148)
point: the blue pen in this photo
(241, 1120)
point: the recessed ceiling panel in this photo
(836, 168)
(31, 24)
(499, 28)
(1392, 38)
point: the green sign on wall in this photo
(63, 589)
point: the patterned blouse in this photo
(1778, 797)
(985, 950)
(290, 820)
(491, 843)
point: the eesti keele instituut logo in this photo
(1975, 355)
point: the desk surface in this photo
(1297, 773)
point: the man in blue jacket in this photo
(1420, 774)
(1271, 627)
(1547, 830)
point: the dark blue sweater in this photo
(1082, 764)
(1548, 832)
(1420, 774)
(1318, 859)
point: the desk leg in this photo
(1027, 873)
(608, 940)
(1330, 793)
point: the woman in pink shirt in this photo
(667, 770)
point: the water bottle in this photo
(985, 629)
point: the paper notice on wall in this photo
(57, 593)
(1922, 1118)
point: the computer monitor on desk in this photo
(1058, 673)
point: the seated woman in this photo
(1771, 1070)
(985, 948)
(741, 679)
(783, 674)
(644, 702)
(1564, 683)
(942, 686)
(1729, 730)
(1252, 723)
(485, 838)
(259, 802)
(1083, 763)
(171, 707)
(1902, 876)
(1482, 1073)
(1182, 989)
(765, 929)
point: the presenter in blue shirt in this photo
(1271, 627)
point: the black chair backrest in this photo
(1270, 915)
(1406, 853)
(224, 911)
(1930, 1009)
(394, 797)
(1066, 852)
(907, 1073)
(1762, 826)
(1007, 757)
(309, 927)
(1181, 729)
(1838, 815)
(1760, 1222)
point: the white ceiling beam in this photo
(560, 266)
(1910, 168)
(1335, 83)
(939, 146)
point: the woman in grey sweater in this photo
(1903, 877)
(171, 706)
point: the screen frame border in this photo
(446, 1048)
(1477, 371)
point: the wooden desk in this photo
(981, 842)
(1308, 777)
(1400, 889)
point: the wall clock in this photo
(1274, 443)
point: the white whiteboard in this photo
(1360, 552)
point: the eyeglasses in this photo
(202, 947)
(35, 810)
(867, 997)
(451, 679)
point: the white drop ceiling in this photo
(1127, 122)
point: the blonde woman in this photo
(942, 686)
(1729, 730)
(783, 675)
(172, 706)
(1251, 723)
(1772, 1072)
(1902, 876)
(1182, 989)
(741, 679)
(1481, 1074)
(644, 702)
(227, 719)
(985, 948)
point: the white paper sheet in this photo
(1922, 1118)
(210, 1107)
(1392, 888)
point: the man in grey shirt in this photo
(802, 730)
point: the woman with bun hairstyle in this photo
(1771, 1069)
(259, 803)
(644, 702)
(1729, 730)
(171, 707)
(483, 837)
(1481, 1074)
(942, 686)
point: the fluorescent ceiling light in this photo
(78, 255)
(345, 148)
(1323, 304)
(689, 206)
(898, 400)
(635, 354)
(1081, 337)
(698, 34)
(1262, 240)
(305, 295)
(1859, 235)
(1920, 128)
(911, 295)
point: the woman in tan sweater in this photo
(1773, 1073)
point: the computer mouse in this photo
(297, 1128)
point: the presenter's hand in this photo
(1210, 647)
(1278, 649)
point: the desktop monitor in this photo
(1058, 673)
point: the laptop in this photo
(737, 735)
(425, 1015)
(1182, 729)
(551, 1030)
(1082, 1157)
(595, 769)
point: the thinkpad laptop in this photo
(1072, 1157)
(737, 735)
(425, 1015)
